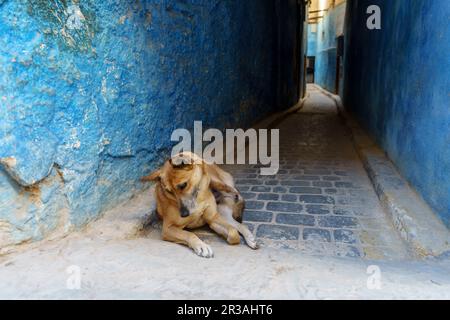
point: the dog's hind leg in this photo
(173, 234)
(218, 185)
(227, 215)
(226, 231)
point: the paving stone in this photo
(277, 232)
(298, 183)
(261, 189)
(266, 178)
(289, 197)
(316, 234)
(331, 178)
(295, 219)
(257, 216)
(256, 205)
(305, 190)
(330, 191)
(322, 184)
(341, 184)
(317, 209)
(317, 171)
(316, 199)
(248, 181)
(279, 189)
(346, 236)
(284, 207)
(268, 196)
(342, 211)
(338, 222)
(271, 182)
(248, 195)
(306, 177)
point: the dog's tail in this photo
(152, 176)
(146, 179)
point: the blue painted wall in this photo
(398, 84)
(291, 49)
(312, 42)
(90, 92)
(328, 28)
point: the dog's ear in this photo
(154, 176)
(181, 163)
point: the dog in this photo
(185, 200)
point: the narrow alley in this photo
(321, 201)
(349, 99)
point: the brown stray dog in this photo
(185, 199)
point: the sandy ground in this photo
(115, 261)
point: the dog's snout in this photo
(184, 211)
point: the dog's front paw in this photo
(251, 242)
(203, 250)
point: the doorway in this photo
(339, 63)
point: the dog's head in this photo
(181, 178)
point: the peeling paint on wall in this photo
(71, 22)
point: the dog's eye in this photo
(182, 186)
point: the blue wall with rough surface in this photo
(328, 28)
(312, 42)
(398, 84)
(90, 92)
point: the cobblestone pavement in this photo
(321, 201)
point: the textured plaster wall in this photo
(397, 81)
(90, 92)
(312, 41)
(328, 28)
(290, 49)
